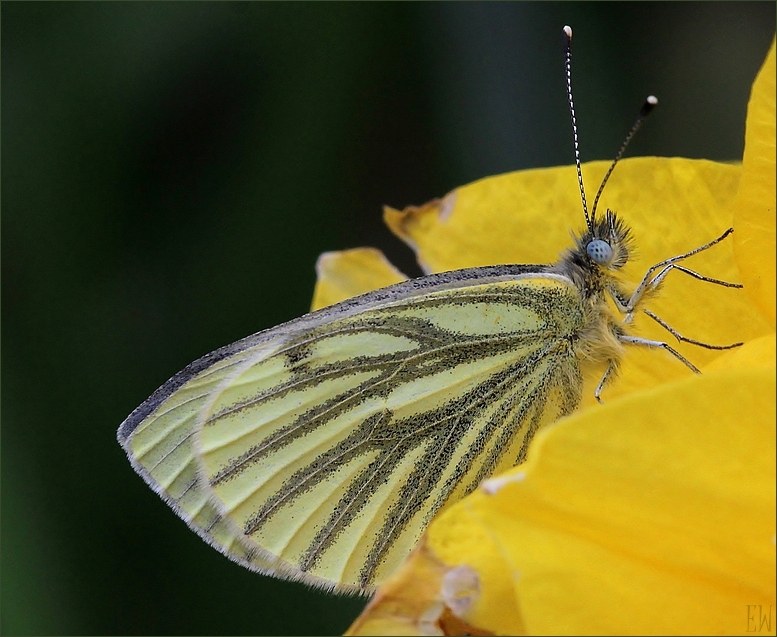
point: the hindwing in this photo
(319, 450)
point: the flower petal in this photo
(625, 520)
(526, 216)
(673, 206)
(428, 603)
(656, 512)
(754, 209)
(345, 274)
(756, 353)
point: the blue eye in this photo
(599, 251)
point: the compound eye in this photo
(599, 251)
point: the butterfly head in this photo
(608, 244)
(603, 248)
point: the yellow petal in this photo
(629, 519)
(755, 205)
(342, 275)
(526, 216)
(673, 206)
(654, 513)
(426, 604)
(755, 353)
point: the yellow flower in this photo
(654, 513)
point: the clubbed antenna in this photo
(647, 107)
(568, 61)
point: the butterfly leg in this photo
(605, 377)
(650, 282)
(685, 339)
(646, 342)
(695, 275)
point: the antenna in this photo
(568, 63)
(647, 108)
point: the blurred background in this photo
(171, 171)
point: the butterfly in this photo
(319, 450)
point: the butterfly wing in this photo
(319, 450)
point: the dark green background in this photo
(170, 172)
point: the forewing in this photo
(319, 450)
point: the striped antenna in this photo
(568, 62)
(647, 108)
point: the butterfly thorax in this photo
(592, 265)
